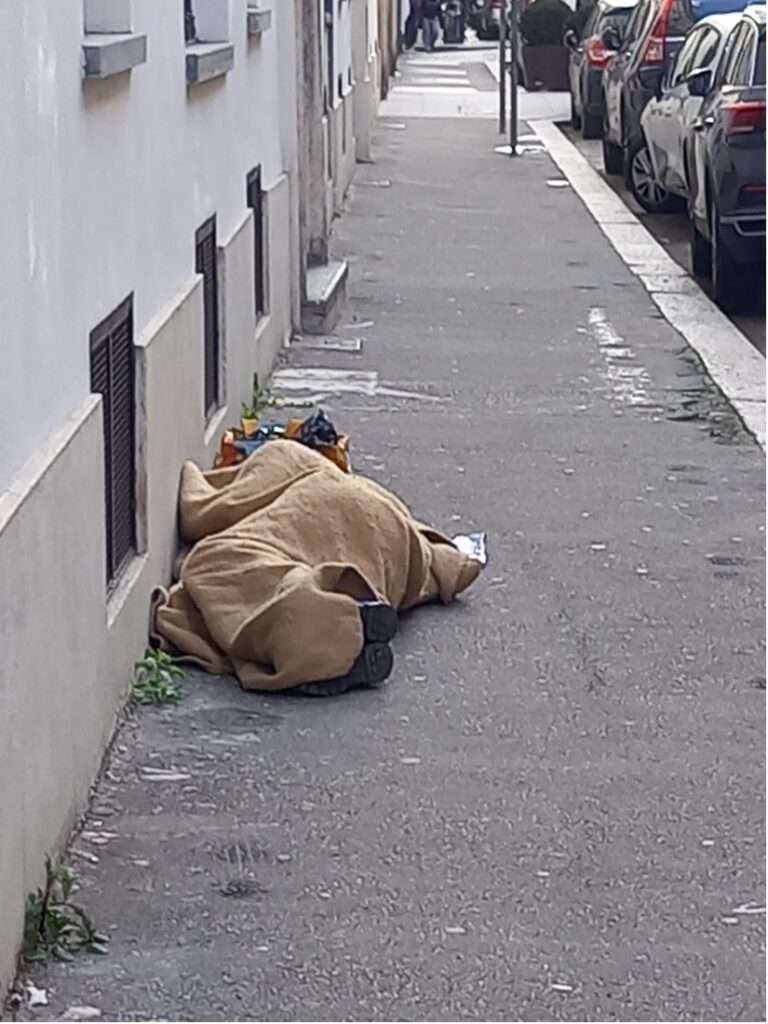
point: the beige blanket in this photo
(284, 545)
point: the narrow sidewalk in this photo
(554, 811)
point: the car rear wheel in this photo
(591, 126)
(612, 155)
(642, 181)
(726, 276)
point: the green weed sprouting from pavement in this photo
(54, 926)
(155, 679)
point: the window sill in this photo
(258, 21)
(214, 423)
(111, 53)
(122, 587)
(208, 60)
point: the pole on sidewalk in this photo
(513, 45)
(502, 70)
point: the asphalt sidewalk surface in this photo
(555, 809)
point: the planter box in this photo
(546, 67)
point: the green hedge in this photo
(542, 22)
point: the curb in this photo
(733, 364)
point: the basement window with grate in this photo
(190, 29)
(205, 264)
(255, 200)
(113, 377)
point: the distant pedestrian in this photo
(430, 23)
(412, 24)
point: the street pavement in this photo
(673, 231)
(555, 808)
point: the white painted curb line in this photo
(736, 367)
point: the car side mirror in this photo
(699, 81)
(570, 39)
(612, 38)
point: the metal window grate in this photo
(190, 28)
(113, 377)
(205, 264)
(255, 200)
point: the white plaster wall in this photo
(104, 184)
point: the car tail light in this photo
(752, 196)
(654, 48)
(598, 53)
(743, 117)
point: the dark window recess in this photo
(113, 377)
(190, 29)
(205, 264)
(255, 200)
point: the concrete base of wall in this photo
(326, 295)
(68, 648)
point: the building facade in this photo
(156, 203)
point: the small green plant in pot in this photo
(155, 679)
(251, 414)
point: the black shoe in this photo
(379, 622)
(371, 667)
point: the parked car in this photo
(655, 33)
(588, 57)
(726, 168)
(660, 178)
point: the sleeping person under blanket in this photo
(296, 572)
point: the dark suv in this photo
(726, 171)
(654, 34)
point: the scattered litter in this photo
(358, 326)
(569, 472)
(641, 570)
(557, 183)
(598, 547)
(410, 760)
(85, 855)
(419, 679)
(35, 996)
(140, 863)
(557, 986)
(163, 774)
(542, 874)
(262, 949)
(748, 908)
(474, 546)
(82, 1013)
(455, 929)
(324, 894)
(284, 858)
(729, 920)
(707, 842)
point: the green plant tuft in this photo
(542, 23)
(54, 926)
(154, 679)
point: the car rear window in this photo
(760, 62)
(616, 16)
